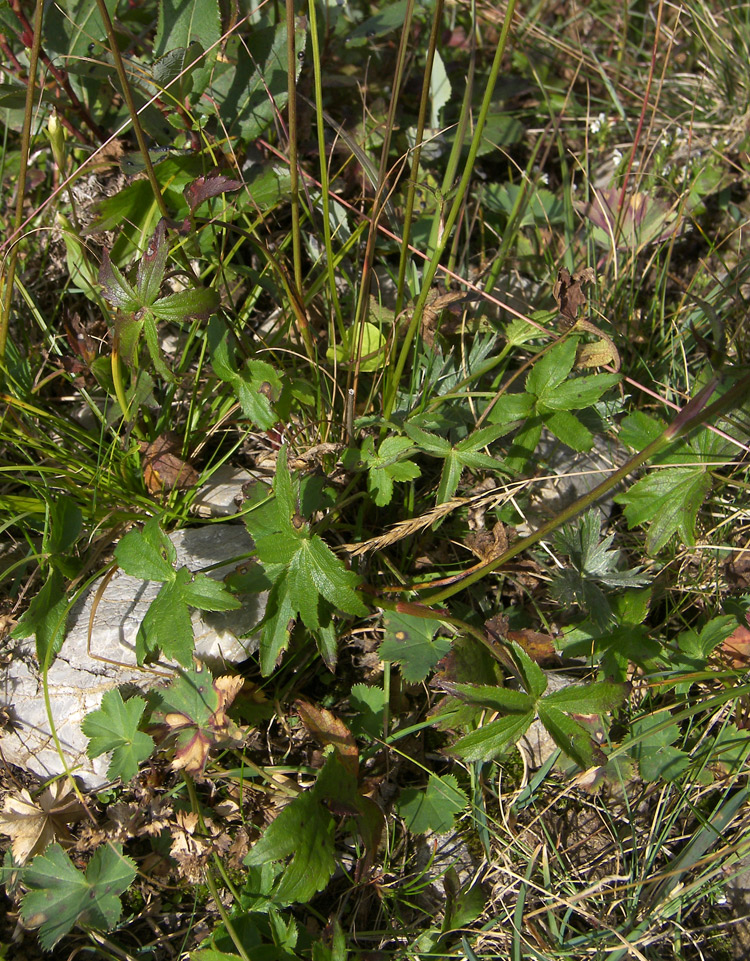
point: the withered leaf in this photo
(328, 729)
(163, 469)
(437, 302)
(600, 354)
(32, 825)
(736, 648)
(568, 292)
(539, 646)
(194, 715)
(487, 545)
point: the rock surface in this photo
(84, 671)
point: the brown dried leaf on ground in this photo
(736, 648)
(568, 292)
(32, 825)
(487, 545)
(163, 469)
(328, 729)
(190, 853)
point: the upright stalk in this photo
(9, 280)
(416, 153)
(450, 222)
(381, 196)
(132, 109)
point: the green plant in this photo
(383, 292)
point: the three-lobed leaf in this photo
(410, 642)
(167, 625)
(309, 581)
(521, 709)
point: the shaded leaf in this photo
(46, 618)
(573, 739)
(203, 188)
(432, 808)
(60, 896)
(410, 642)
(304, 829)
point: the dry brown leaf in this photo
(568, 292)
(193, 753)
(487, 545)
(32, 825)
(539, 646)
(736, 648)
(163, 469)
(190, 853)
(328, 729)
(227, 687)
(437, 302)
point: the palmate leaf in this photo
(385, 466)
(521, 708)
(670, 500)
(61, 896)
(255, 385)
(309, 581)
(114, 727)
(554, 394)
(410, 642)
(167, 626)
(193, 713)
(434, 807)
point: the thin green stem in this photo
(210, 880)
(132, 110)
(325, 193)
(693, 415)
(8, 283)
(291, 61)
(450, 222)
(382, 193)
(411, 191)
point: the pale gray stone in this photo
(83, 672)
(222, 494)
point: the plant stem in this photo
(8, 282)
(450, 222)
(291, 68)
(415, 156)
(694, 414)
(132, 110)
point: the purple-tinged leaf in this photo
(204, 188)
(151, 265)
(118, 291)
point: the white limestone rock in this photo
(80, 675)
